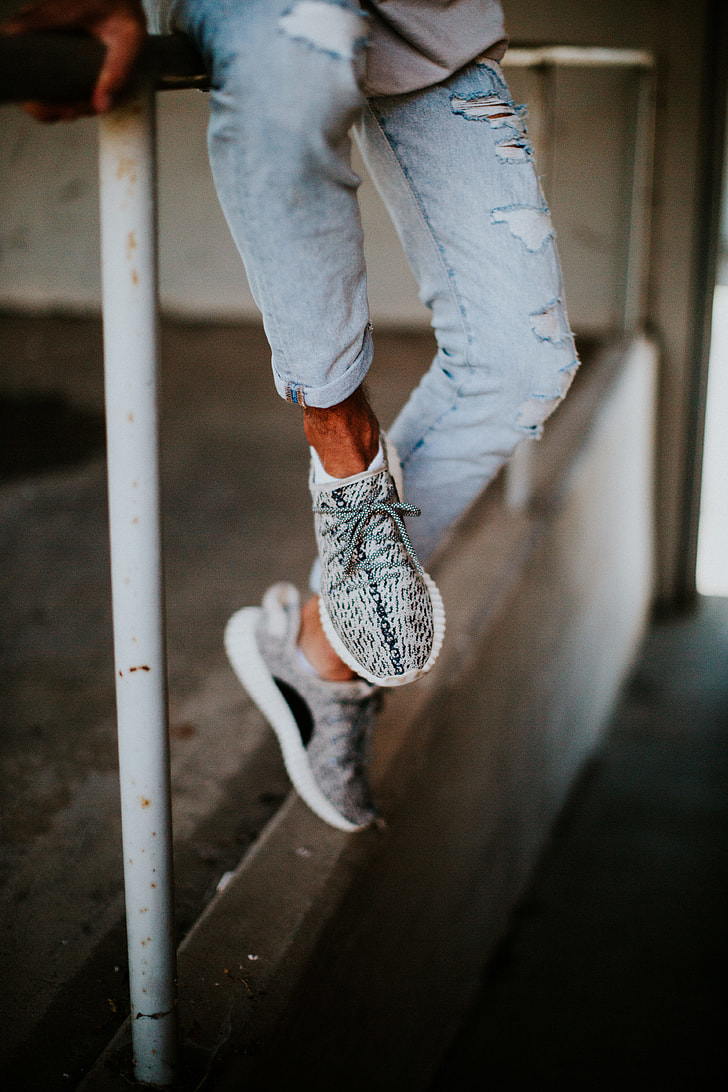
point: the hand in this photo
(119, 24)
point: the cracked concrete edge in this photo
(243, 957)
(238, 964)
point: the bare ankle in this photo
(316, 648)
(345, 437)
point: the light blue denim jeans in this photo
(454, 167)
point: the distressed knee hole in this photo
(551, 323)
(499, 113)
(529, 224)
(534, 412)
(326, 26)
(513, 151)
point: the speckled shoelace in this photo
(355, 518)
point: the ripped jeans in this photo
(454, 167)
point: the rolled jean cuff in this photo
(336, 390)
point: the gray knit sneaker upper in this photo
(381, 612)
(324, 728)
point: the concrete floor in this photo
(614, 967)
(613, 974)
(236, 516)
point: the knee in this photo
(538, 405)
(520, 368)
(297, 79)
(552, 365)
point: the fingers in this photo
(66, 14)
(119, 24)
(123, 38)
(34, 17)
(58, 111)
(60, 15)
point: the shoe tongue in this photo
(370, 486)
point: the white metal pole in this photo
(128, 245)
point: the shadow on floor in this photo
(236, 517)
(613, 972)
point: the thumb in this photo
(123, 40)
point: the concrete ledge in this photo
(352, 958)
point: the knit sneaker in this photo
(323, 727)
(381, 612)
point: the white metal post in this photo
(129, 279)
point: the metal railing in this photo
(54, 67)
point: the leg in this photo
(285, 93)
(345, 437)
(454, 167)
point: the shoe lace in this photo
(357, 518)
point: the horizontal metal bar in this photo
(64, 67)
(61, 67)
(578, 57)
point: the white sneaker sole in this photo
(438, 620)
(250, 667)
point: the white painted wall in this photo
(49, 227)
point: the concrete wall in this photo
(548, 610)
(49, 236)
(49, 239)
(680, 37)
(367, 948)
